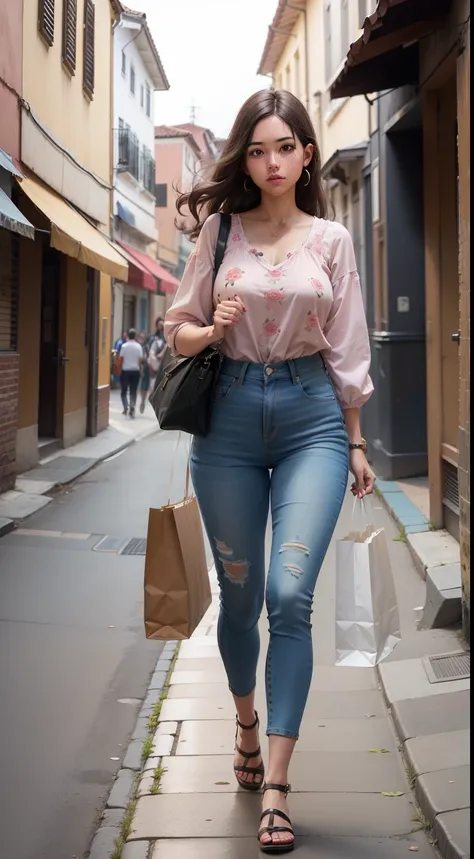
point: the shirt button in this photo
(268, 371)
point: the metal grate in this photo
(135, 546)
(450, 486)
(448, 666)
(114, 545)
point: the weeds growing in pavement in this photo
(421, 820)
(158, 774)
(125, 829)
(127, 820)
(147, 749)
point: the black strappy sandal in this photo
(255, 771)
(276, 849)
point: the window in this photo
(375, 192)
(132, 79)
(124, 63)
(297, 75)
(89, 48)
(148, 100)
(142, 96)
(327, 40)
(161, 196)
(345, 38)
(9, 281)
(46, 20)
(69, 34)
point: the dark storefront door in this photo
(129, 312)
(51, 359)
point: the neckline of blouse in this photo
(260, 256)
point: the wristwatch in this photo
(361, 446)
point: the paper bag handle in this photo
(188, 471)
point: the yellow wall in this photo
(57, 98)
(105, 316)
(337, 124)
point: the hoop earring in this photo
(308, 175)
(245, 185)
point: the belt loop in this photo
(293, 373)
(243, 371)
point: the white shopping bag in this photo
(367, 618)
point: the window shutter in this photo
(89, 47)
(69, 34)
(46, 20)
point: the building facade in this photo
(305, 49)
(178, 160)
(418, 57)
(12, 227)
(138, 75)
(64, 190)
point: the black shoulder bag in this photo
(184, 387)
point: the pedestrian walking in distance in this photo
(131, 355)
(145, 377)
(288, 314)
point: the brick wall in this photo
(103, 398)
(463, 87)
(9, 375)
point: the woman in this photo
(288, 312)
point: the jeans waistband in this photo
(291, 369)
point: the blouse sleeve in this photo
(193, 302)
(348, 361)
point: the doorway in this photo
(129, 312)
(51, 357)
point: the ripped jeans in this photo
(277, 437)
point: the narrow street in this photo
(74, 662)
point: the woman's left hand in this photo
(364, 476)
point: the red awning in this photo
(138, 275)
(168, 283)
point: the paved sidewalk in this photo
(430, 707)
(32, 489)
(344, 772)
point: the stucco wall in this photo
(337, 123)
(58, 98)
(128, 108)
(11, 51)
(169, 171)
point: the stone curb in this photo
(6, 526)
(405, 513)
(434, 554)
(126, 785)
(423, 786)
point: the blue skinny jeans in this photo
(277, 438)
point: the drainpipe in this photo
(306, 49)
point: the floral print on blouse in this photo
(310, 302)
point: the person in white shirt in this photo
(131, 354)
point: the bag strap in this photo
(224, 230)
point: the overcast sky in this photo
(210, 50)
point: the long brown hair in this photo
(224, 190)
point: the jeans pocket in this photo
(315, 387)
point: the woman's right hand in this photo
(228, 314)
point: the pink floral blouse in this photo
(311, 302)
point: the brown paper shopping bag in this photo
(177, 587)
